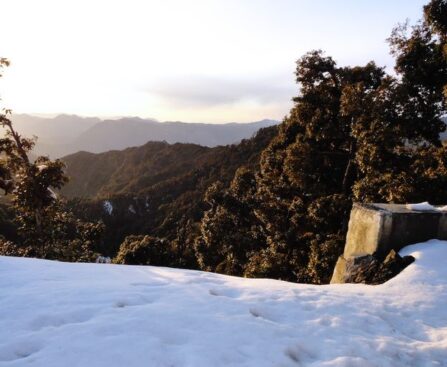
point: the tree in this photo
(45, 227)
(143, 250)
(229, 232)
(435, 16)
(307, 173)
(354, 134)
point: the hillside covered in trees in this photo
(155, 189)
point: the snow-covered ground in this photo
(63, 315)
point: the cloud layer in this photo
(203, 91)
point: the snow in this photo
(68, 314)
(108, 207)
(53, 195)
(103, 260)
(132, 209)
(425, 206)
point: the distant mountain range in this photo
(67, 134)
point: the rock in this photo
(361, 269)
(391, 266)
(368, 269)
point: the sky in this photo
(190, 60)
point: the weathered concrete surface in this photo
(377, 229)
(339, 275)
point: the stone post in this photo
(375, 230)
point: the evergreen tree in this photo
(143, 250)
(435, 16)
(45, 228)
(229, 230)
(354, 134)
(307, 172)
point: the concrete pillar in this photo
(376, 229)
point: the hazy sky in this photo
(189, 60)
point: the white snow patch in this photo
(425, 206)
(108, 207)
(53, 195)
(71, 314)
(103, 260)
(132, 209)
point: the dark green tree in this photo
(45, 228)
(354, 134)
(143, 250)
(229, 230)
(307, 172)
(435, 16)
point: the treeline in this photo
(277, 205)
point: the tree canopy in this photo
(354, 134)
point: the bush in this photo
(143, 250)
(9, 248)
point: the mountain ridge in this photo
(66, 134)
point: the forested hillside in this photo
(155, 189)
(136, 170)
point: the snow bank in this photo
(425, 206)
(62, 314)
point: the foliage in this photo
(435, 14)
(354, 134)
(229, 232)
(143, 250)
